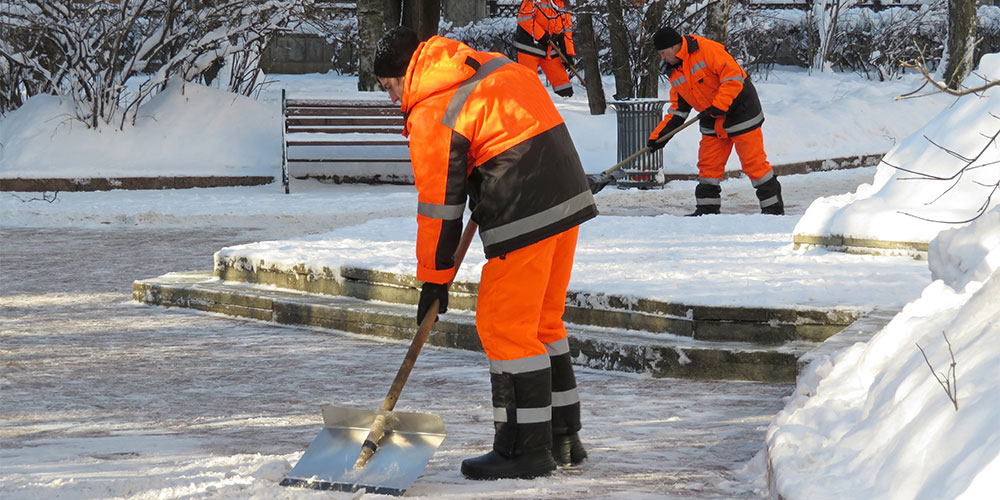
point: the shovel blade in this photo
(328, 463)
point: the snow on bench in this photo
(344, 141)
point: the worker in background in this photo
(483, 128)
(704, 77)
(540, 22)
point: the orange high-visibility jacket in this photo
(708, 76)
(483, 129)
(537, 18)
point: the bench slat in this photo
(347, 130)
(347, 143)
(356, 122)
(348, 160)
(340, 103)
(318, 111)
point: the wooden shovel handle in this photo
(566, 62)
(646, 149)
(425, 326)
(381, 422)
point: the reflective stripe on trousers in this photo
(553, 69)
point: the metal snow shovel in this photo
(600, 181)
(378, 451)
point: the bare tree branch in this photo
(920, 65)
(948, 381)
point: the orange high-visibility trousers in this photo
(552, 67)
(713, 153)
(522, 297)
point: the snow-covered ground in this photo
(106, 398)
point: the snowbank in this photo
(920, 187)
(726, 261)
(872, 422)
(186, 130)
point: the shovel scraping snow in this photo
(380, 451)
(328, 463)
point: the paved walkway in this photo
(105, 397)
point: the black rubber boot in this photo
(493, 465)
(707, 197)
(769, 194)
(521, 449)
(703, 210)
(567, 450)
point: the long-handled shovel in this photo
(378, 451)
(566, 62)
(600, 181)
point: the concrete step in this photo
(708, 323)
(657, 353)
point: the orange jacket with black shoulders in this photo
(707, 75)
(483, 129)
(538, 18)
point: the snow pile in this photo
(185, 130)
(874, 423)
(972, 253)
(726, 260)
(941, 175)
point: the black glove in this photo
(711, 112)
(566, 92)
(544, 40)
(597, 182)
(429, 292)
(654, 145)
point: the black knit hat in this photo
(393, 52)
(665, 37)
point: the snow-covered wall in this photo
(939, 177)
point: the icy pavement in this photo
(106, 398)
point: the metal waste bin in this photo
(636, 120)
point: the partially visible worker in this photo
(540, 22)
(706, 78)
(483, 129)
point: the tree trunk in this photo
(422, 16)
(370, 29)
(587, 47)
(463, 12)
(961, 41)
(392, 13)
(717, 22)
(619, 51)
(649, 58)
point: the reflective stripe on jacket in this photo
(708, 76)
(483, 128)
(535, 19)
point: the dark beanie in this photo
(393, 52)
(665, 37)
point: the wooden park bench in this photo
(344, 141)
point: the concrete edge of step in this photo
(862, 246)
(860, 330)
(584, 307)
(661, 355)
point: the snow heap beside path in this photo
(896, 206)
(185, 130)
(872, 422)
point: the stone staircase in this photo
(606, 331)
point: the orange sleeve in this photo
(567, 29)
(440, 183)
(731, 76)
